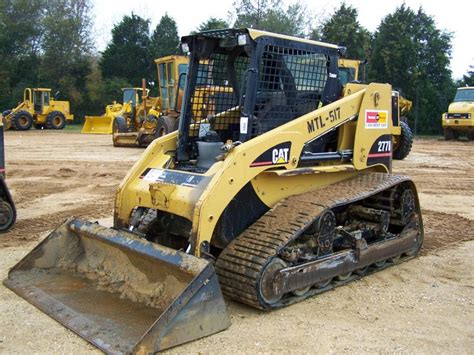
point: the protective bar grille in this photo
(291, 83)
(214, 101)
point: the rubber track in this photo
(239, 265)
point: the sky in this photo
(454, 16)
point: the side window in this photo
(182, 68)
(171, 84)
(163, 87)
(46, 98)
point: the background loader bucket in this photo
(121, 293)
(98, 125)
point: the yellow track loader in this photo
(284, 192)
(349, 71)
(38, 109)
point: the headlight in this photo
(185, 48)
(242, 39)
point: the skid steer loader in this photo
(38, 109)
(285, 192)
(350, 71)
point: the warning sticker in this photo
(376, 119)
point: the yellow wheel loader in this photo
(38, 109)
(460, 116)
(284, 192)
(7, 206)
(135, 125)
(162, 119)
(127, 112)
(349, 71)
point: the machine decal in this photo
(319, 122)
(381, 151)
(376, 119)
(171, 177)
(279, 154)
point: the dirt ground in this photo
(422, 306)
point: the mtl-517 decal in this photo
(319, 122)
(277, 155)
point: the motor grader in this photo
(140, 119)
(284, 192)
(349, 71)
(38, 109)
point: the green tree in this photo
(128, 53)
(468, 78)
(269, 15)
(67, 46)
(212, 23)
(165, 39)
(413, 55)
(102, 91)
(20, 40)
(343, 28)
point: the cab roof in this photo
(254, 34)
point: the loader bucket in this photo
(98, 125)
(121, 293)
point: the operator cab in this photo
(243, 83)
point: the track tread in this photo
(241, 264)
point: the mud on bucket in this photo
(121, 293)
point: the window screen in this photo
(291, 83)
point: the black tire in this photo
(22, 120)
(165, 125)
(405, 142)
(55, 120)
(6, 113)
(7, 216)
(448, 134)
(119, 126)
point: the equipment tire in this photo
(405, 142)
(22, 120)
(7, 216)
(165, 125)
(55, 120)
(6, 113)
(119, 126)
(448, 134)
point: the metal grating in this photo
(214, 104)
(291, 83)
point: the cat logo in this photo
(280, 156)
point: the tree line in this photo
(49, 43)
